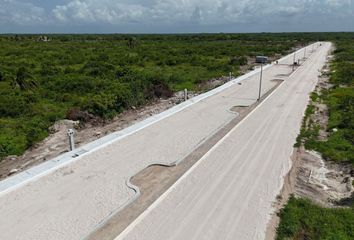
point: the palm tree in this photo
(24, 80)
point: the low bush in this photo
(302, 219)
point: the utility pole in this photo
(260, 83)
(305, 53)
(294, 61)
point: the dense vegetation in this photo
(340, 101)
(301, 219)
(84, 76)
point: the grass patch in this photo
(301, 219)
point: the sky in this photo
(175, 16)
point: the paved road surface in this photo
(228, 194)
(70, 202)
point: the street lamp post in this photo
(260, 83)
(262, 60)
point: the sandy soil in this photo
(327, 183)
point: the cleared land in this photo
(229, 193)
(71, 201)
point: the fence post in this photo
(71, 139)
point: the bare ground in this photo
(326, 183)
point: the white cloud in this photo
(77, 10)
(338, 3)
(171, 12)
(176, 11)
(22, 13)
(99, 11)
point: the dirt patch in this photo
(212, 83)
(326, 183)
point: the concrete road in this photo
(71, 200)
(229, 193)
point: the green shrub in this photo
(12, 145)
(301, 219)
